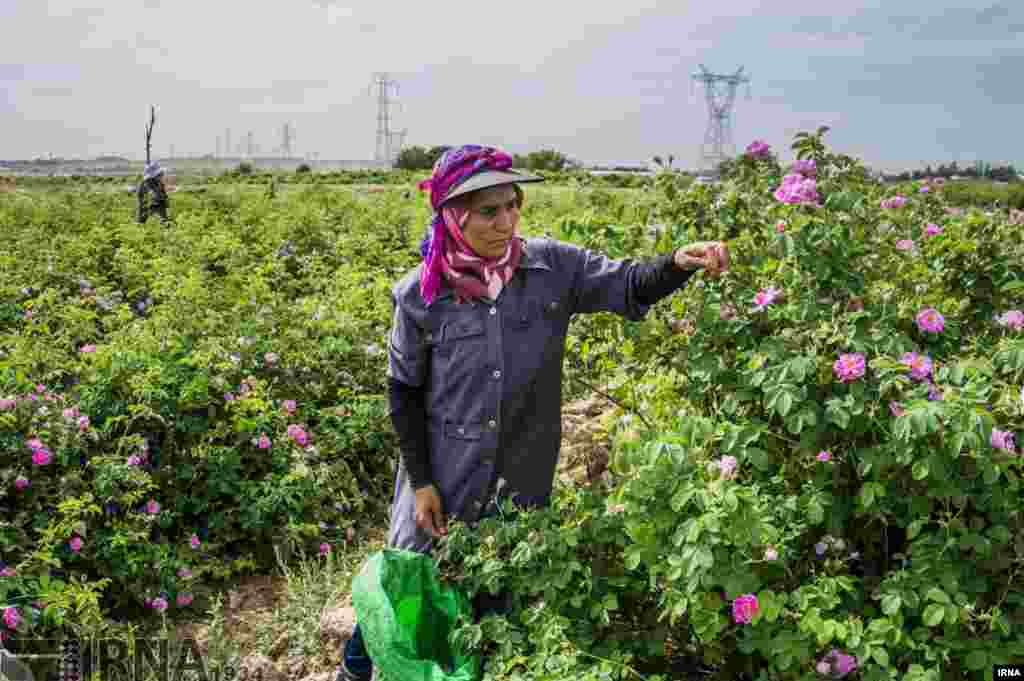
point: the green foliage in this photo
(903, 548)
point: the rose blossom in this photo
(325, 548)
(11, 617)
(744, 608)
(194, 541)
(849, 367)
(289, 406)
(932, 229)
(152, 507)
(727, 466)
(824, 455)
(263, 442)
(758, 148)
(930, 320)
(21, 482)
(1014, 319)
(780, 226)
(76, 544)
(1002, 439)
(920, 365)
(765, 297)
(905, 245)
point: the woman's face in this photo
(493, 217)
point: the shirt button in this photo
(462, 431)
(497, 373)
(492, 423)
(494, 310)
(553, 305)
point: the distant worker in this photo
(152, 181)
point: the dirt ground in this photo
(252, 605)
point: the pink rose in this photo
(744, 608)
(76, 544)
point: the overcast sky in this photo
(899, 84)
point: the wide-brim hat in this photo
(489, 178)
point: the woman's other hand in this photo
(429, 514)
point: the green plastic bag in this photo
(406, 615)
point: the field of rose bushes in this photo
(815, 471)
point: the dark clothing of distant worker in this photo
(158, 204)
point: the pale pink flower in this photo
(806, 167)
(930, 320)
(765, 297)
(35, 443)
(727, 466)
(823, 667)
(770, 553)
(932, 229)
(289, 406)
(824, 455)
(744, 608)
(88, 348)
(849, 367)
(21, 482)
(83, 423)
(297, 433)
(896, 409)
(184, 599)
(325, 548)
(780, 226)
(134, 460)
(71, 413)
(264, 442)
(228, 397)
(184, 573)
(8, 572)
(152, 507)
(1002, 439)
(614, 509)
(1014, 319)
(905, 245)
(76, 544)
(194, 541)
(159, 603)
(8, 404)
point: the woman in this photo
(476, 348)
(152, 183)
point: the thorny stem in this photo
(615, 401)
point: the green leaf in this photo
(914, 528)
(784, 404)
(881, 656)
(891, 604)
(920, 470)
(938, 595)
(933, 615)
(977, 660)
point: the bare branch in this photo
(149, 131)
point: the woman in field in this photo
(476, 348)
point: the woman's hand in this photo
(712, 256)
(429, 515)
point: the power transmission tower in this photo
(721, 94)
(249, 144)
(386, 149)
(227, 142)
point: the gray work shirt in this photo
(492, 373)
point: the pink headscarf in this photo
(444, 249)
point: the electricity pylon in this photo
(387, 149)
(721, 94)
